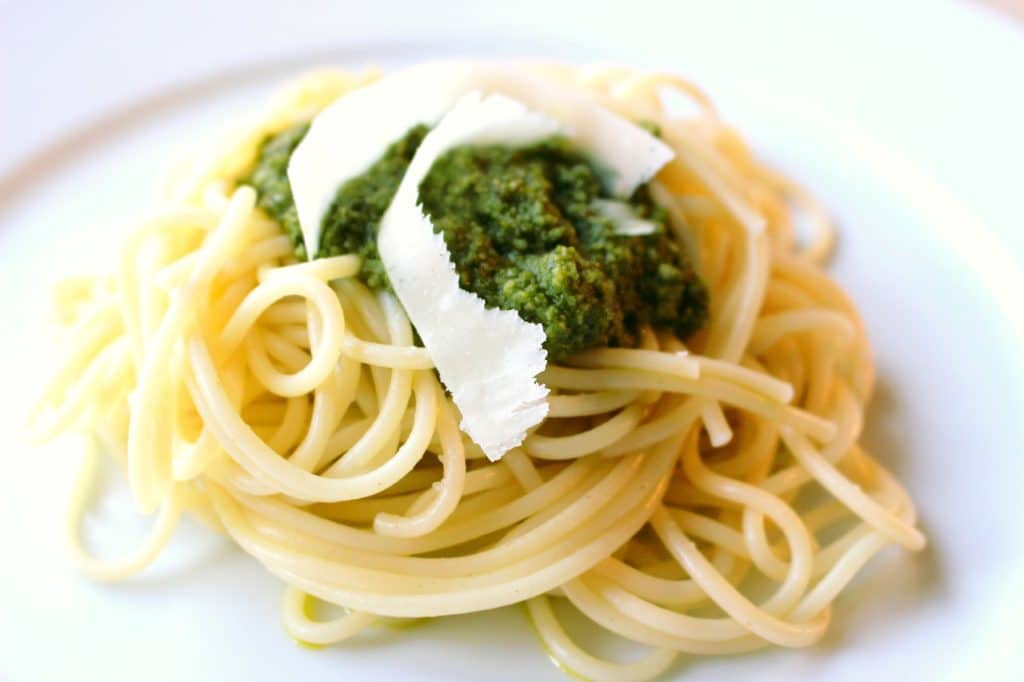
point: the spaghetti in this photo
(287, 405)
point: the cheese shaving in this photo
(488, 359)
(626, 222)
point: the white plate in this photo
(907, 122)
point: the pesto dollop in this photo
(523, 232)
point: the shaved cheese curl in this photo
(489, 361)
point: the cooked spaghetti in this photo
(701, 495)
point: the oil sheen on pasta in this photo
(523, 233)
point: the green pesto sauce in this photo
(523, 234)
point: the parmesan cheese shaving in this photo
(626, 222)
(350, 134)
(488, 359)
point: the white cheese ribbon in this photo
(488, 358)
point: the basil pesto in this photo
(523, 233)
